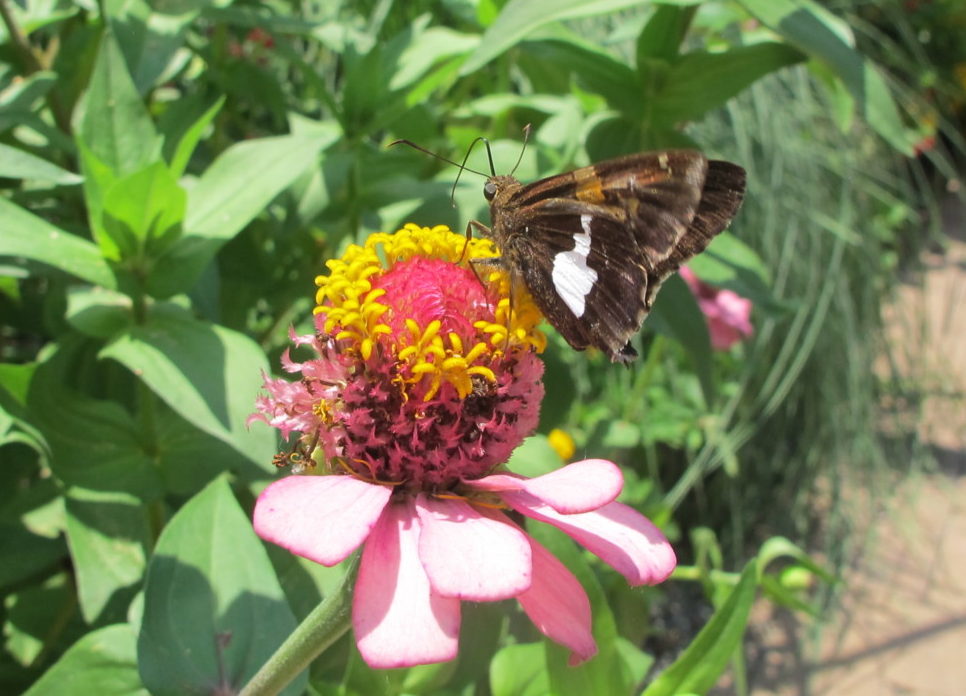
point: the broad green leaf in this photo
(189, 139)
(728, 259)
(25, 554)
(18, 164)
(700, 81)
(520, 670)
(595, 70)
(534, 457)
(245, 178)
(493, 105)
(189, 458)
(150, 34)
(108, 534)
(213, 608)
(637, 662)
(97, 312)
(98, 178)
(236, 188)
(815, 31)
(31, 611)
(519, 18)
(678, 315)
(481, 630)
(19, 98)
(142, 213)
(208, 374)
(779, 547)
(430, 47)
(662, 35)
(699, 667)
(103, 662)
(730, 263)
(114, 123)
(25, 234)
(95, 444)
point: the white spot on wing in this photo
(572, 277)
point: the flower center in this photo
(441, 323)
(426, 373)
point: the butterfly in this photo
(593, 246)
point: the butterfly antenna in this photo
(410, 143)
(526, 137)
(463, 166)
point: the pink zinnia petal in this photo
(728, 314)
(398, 620)
(621, 536)
(469, 555)
(558, 605)
(578, 487)
(322, 518)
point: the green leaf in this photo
(98, 178)
(679, 316)
(534, 457)
(779, 547)
(213, 608)
(236, 188)
(662, 35)
(95, 444)
(97, 312)
(17, 99)
(103, 662)
(32, 610)
(189, 139)
(26, 235)
(189, 458)
(208, 374)
(817, 32)
(730, 263)
(108, 534)
(150, 34)
(25, 554)
(596, 71)
(699, 667)
(114, 122)
(700, 81)
(637, 662)
(432, 46)
(142, 212)
(519, 18)
(520, 670)
(245, 178)
(17, 164)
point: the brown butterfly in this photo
(594, 245)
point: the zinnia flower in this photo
(728, 313)
(424, 380)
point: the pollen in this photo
(416, 298)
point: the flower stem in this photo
(320, 629)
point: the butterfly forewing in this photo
(593, 245)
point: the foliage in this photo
(175, 174)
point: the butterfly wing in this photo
(593, 245)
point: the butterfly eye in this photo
(489, 190)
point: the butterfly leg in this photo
(479, 227)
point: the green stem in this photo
(320, 629)
(21, 46)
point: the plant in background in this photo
(169, 185)
(728, 314)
